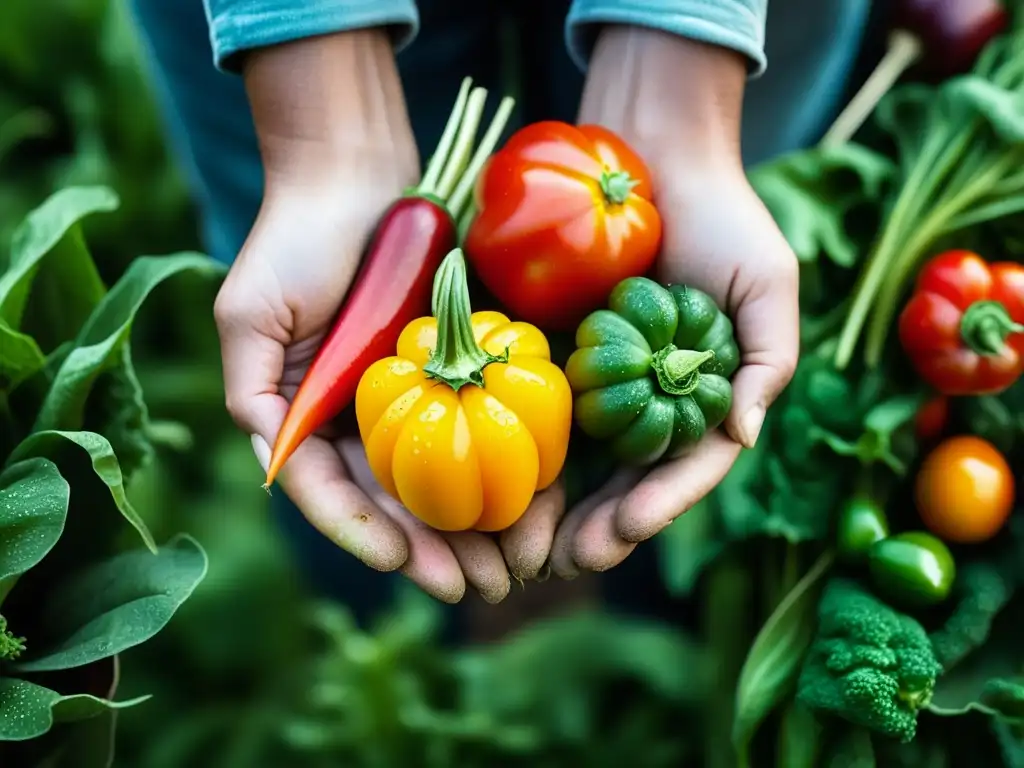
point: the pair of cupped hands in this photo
(329, 177)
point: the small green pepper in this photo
(861, 524)
(914, 569)
(651, 372)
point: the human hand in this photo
(336, 153)
(678, 104)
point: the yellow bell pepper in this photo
(470, 418)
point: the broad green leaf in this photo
(105, 332)
(104, 463)
(26, 709)
(21, 356)
(811, 192)
(773, 662)
(116, 604)
(1002, 108)
(44, 228)
(33, 507)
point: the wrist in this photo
(668, 96)
(319, 102)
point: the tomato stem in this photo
(457, 359)
(617, 186)
(985, 326)
(678, 370)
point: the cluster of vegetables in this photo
(463, 414)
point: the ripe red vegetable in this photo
(565, 214)
(394, 283)
(944, 36)
(962, 329)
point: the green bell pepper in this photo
(651, 372)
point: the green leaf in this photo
(811, 192)
(33, 507)
(21, 356)
(117, 604)
(106, 330)
(26, 124)
(1002, 108)
(772, 666)
(104, 464)
(26, 709)
(41, 232)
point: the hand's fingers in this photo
(527, 544)
(768, 329)
(482, 564)
(252, 344)
(562, 560)
(598, 545)
(671, 489)
(315, 480)
(431, 564)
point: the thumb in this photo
(252, 355)
(768, 331)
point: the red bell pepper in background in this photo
(395, 282)
(962, 329)
(564, 215)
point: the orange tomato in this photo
(964, 490)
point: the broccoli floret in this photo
(983, 591)
(868, 663)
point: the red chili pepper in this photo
(932, 418)
(962, 329)
(394, 283)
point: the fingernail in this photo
(750, 425)
(262, 451)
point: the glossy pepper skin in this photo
(470, 417)
(564, 213)
(393, 285)
(651, 372)
(962, 328)
(912, 569)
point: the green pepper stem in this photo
(617, 186)
(432, 175)
(985, 327)
(457, 359)
(678, 370)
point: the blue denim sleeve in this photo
(736, 24)
(237, 25)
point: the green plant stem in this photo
(728, 602)
(875, 272)
(428, 185)
(457, 359)
(460, 200)
(463, 144)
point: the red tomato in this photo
(962, 329)
(565, 214)
(964, 490)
